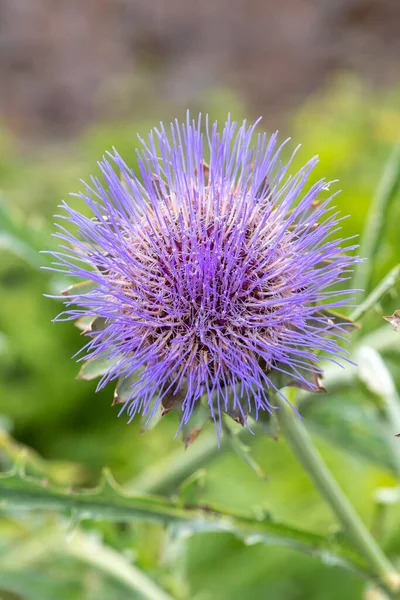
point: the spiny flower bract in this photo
(211, 271)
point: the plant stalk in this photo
(312, 462)
(110, 502)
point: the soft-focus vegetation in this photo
(42, 405)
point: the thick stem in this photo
(312, 462)
(109, 502)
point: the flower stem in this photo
(312, 462)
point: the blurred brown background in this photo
(65, 64)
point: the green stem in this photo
(375, 223)
(112, 503)
(312, 462)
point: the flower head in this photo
(210, 270)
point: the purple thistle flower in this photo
(209, 280)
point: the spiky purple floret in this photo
(211, 278)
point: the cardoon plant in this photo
(210, 273)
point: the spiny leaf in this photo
(19, 492)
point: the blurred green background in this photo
(353, 127)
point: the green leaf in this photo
(375, 224)
(350, 425)
(377, 377)
(20, 237)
